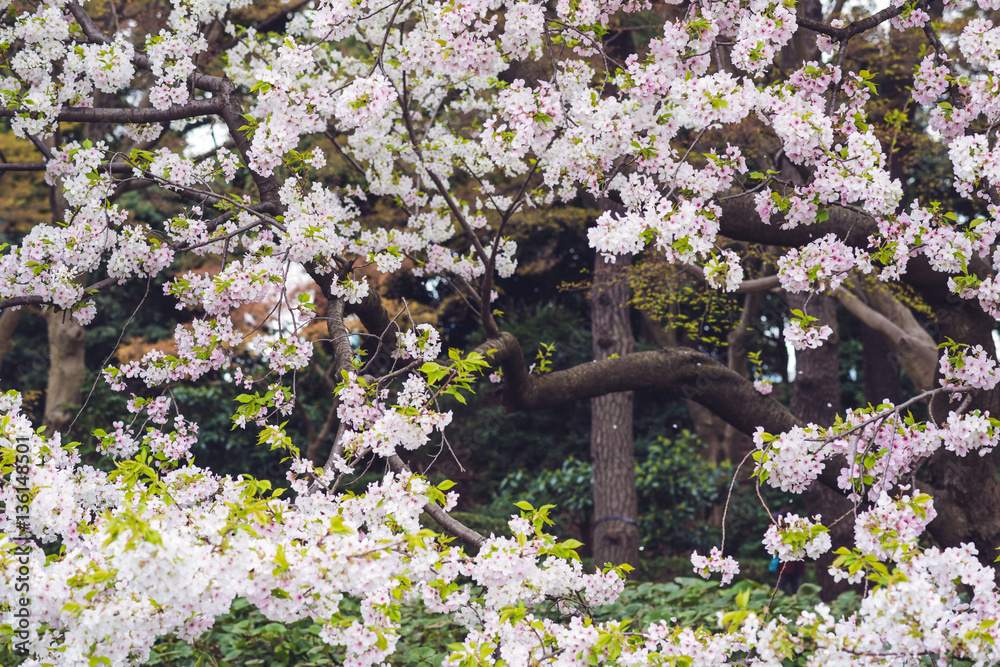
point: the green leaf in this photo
(743, 598)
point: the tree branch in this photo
(765, 284)
(339, 337)
(681, 372)
(855, 27)
(445, 520)
(917, 353)
(38, 300)
(741, 222)
(193, 109)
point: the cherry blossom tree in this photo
(457, 117)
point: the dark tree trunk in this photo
(9, 320)
(616, 535)
(880, 368)
(966, 490)
(816, 399)
(816, 388)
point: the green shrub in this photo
(676, 491)
(245, 638)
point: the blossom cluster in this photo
(968, 367)
(891, 527)
(792, 537)
(803, 334)
(715, 562)
(819, 266)
(380, 428)
(879, 445)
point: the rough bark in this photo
(681, 373)
(816, 399)
(67, 367)
(966, 490)
(816, 394)
(616, 534)
(803, 48)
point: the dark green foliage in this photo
(488, 442)
(245, 638)
(695, 602)
(676, 491)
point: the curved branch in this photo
(915, 348)
(765, 284)
(680, 372)
(741, 222)
(855, 27)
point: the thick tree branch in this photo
(740, 221)
(22, 166)
(915, 348)
(765, 284)
(853, 28)
(681, 372)
(193, 109)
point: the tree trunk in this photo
(816, 399)
(816, 389)
(67, 368)
(8, 325)
(616, 534)
(966, 490)
(67, 346)
(880, 368)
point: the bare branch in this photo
(445, 520)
